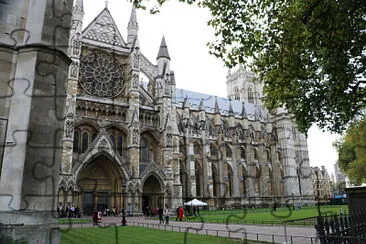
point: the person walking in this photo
(161, 213)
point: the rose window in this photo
(101, 75)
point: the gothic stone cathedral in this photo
(131, 144)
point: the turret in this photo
(202, 111)
(243, 112)
(163, 59)
(132, 28)
(185, 108)
(78, 11)
(231, 115)
(163, 81)
(217, 113)
(76, 29)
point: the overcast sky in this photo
(186, 34)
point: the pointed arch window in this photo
(236, 94)
(85, 142)
(144, 151)
(255, 153)
(229, 179)
(113, 140)
(120, 145)
(268, 155)
(76, 141)
(243, 179)
(242, 154)
(250, 95)
(213, 150)
(198, 175)
(196, 148)
(228, 151)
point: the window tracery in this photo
(84, 135)
(101, 75)
(118, 139)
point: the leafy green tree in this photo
(310, 54)
(352, 152)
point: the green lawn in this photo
(131, 235)
(73, 221)
(266, 215)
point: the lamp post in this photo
(293, 201)
(317, 191)
(123, 211)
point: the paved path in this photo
(298, 235)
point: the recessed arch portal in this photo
(152, 195)
(100, 184)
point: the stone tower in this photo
(34, 61)
(292, 152)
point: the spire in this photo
(134, 118)
(243, 112)
(217, 109)
(79, 6)
(132, 27)
(133, 19)
(231, 111)
(185, 103)
(163, 50)
(201, 107)
(256, 116)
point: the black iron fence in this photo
(342, 228)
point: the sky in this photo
(186, 33)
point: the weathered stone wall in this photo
(35, 42)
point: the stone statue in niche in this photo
(76, 45)
(136, 60)
(69, 127)
(135, 80)
(135, 135)
(74, 69)
(169, 137)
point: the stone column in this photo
(192, 169)
(31, 162)
(288, 156)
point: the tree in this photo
(352, 152)
(310, 54)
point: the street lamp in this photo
(293, 201)
(123, 211)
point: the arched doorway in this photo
(100, 185)
(152, 195)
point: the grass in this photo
(266, 215)
(132, 235)
(74, 221)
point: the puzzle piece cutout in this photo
(41, 168)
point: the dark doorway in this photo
(145, 201)
(152, 194)
(88, 201)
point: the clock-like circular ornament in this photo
(101, 75)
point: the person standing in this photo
(161, 212)
(177, 214)
(95, 217)
(180, 213)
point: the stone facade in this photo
(33, 73)
(129, 144)
(322, 184)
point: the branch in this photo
(307, 14)
(355, 87)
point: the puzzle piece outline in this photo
(42, 163)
